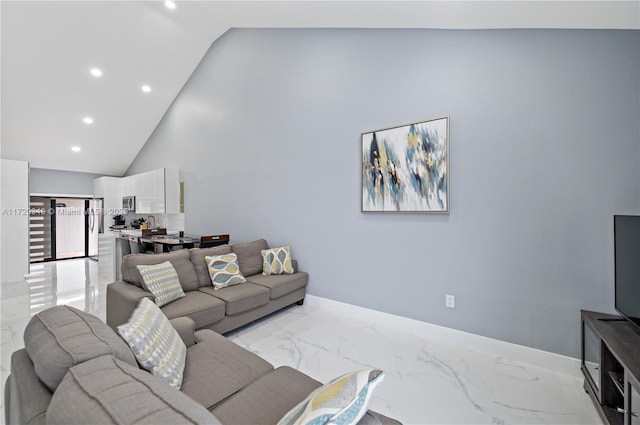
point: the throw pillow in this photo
(342, 401)
(224, 270)
(277, 261)
(155, 343)
(162, 281)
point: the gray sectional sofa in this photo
(220, 310)
(75, 369)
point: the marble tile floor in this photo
(429, 379)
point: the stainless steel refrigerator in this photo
(95, 226)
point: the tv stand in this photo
(611, 366)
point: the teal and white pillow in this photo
(162, 281)
(277, 261)
(224, 270)
(155, 343)
(342, 401)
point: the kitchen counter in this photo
(130, 232)
(110, 251)
(138, 232)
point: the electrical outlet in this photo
(450, 301)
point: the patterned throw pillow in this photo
(277, 261)
(162, 281)
(224, 270)
(155, 343)
(342, 401)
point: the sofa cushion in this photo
(107, 391)
(162, 281)
(200, 264)
(217, 368)
(268, 399)
(282, 284)
(62, 336)
(180, 259)
(224, 270)
(343, 400)
(240, 298)
(277, 260)
(202, 308)
(249, 256)
(155, 343)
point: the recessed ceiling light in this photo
(87, 120)
(170, 4)
(146, 88)
(75, 148)
(96, 72)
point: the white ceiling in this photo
(48, 48)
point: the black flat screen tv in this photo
(626, 230)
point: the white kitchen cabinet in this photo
(150, 197)
(107, 256)
(172, 190)
(156, 191)
(129, 185)
(109, 189)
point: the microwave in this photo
(129, 203)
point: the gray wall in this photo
(544, 150)
(58, 182)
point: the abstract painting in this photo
(406, 168)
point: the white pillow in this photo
(162, 281)
(342, 401)
(277, 261)
(155, 343)
(224, 270)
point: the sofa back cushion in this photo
(200, 264)
(62, 336)
(180, 259)
(250, 256)
(108, 391)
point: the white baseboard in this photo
(556, 362)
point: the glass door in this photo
(42, 224)
(591, 356)
(62, 228)
(634, 405)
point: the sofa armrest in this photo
(374, 418)
(122, 299)
(28, 397)
(186, 328)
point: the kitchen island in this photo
(112, 249)
(166, 243)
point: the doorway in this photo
(63, 228)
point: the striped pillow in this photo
(162, 281)
(224, 270)
(155, 343)
(340, 402)
(277, 261)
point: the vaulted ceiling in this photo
(50, 47)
